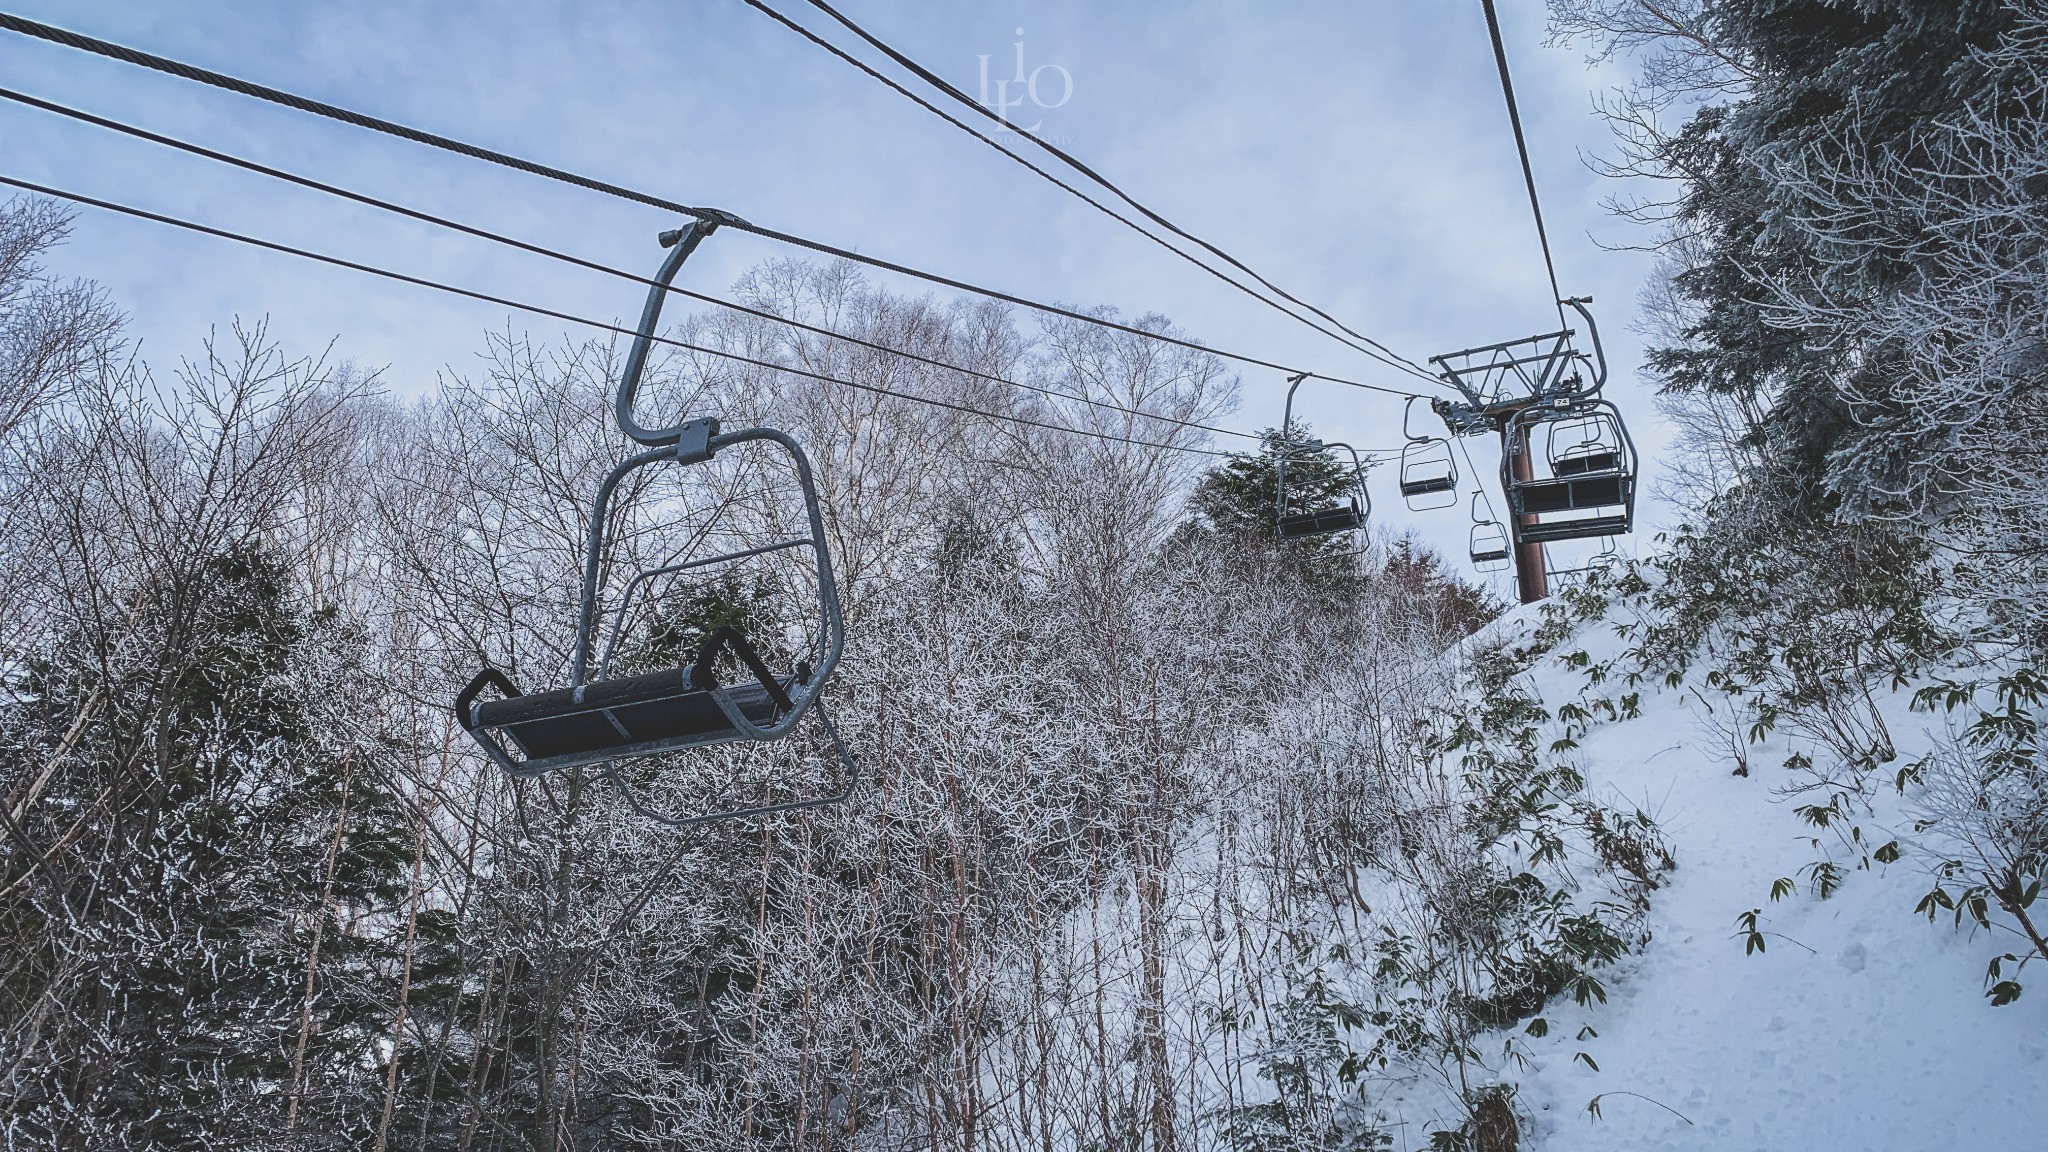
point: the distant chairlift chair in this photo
(1603, 563)
(1578, 472)
(1350, 515)
(1488, 542)
(604, 719)
(1429, 473)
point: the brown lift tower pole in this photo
(1532, 579)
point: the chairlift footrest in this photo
(1592, 527)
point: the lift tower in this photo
(1568, 466)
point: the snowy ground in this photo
(1860, 1027)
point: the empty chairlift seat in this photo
(1348, 514)
(1322, 521)
(726, 694)
(1570, 473)
(602, 718)
(1488, 541)
(628, 716)
(1429, 473)
(1488, 545)
(1426, 470)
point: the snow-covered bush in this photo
(1851, 326)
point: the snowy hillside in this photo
(1858, 1026)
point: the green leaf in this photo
(1887, 853)
(1539, 1027)
(1826, 878)
(2004, 992)
(1752, 937)
(1585, 989)
(1588, 1060)
(1782, 887)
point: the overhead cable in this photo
(578, 261)
(1350, 339)
(944, 86)
(190, 72)
(1507, 90)
(571, 318)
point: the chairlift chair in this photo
(603, 718)
(1429, 473)
(1577, 471)
(1607, 559)
(1346, 516)
(1350, 516)
(1488, 541)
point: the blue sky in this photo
(1357, 153)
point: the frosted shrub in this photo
(1981, 800)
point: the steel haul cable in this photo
(950, 90)
(569, 317)
(185, 71)
(553, 254)
(1348, 338)
(1507, 90)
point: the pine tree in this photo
(196, 812)
(1234, 504)
(1821, 78)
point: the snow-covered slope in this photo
(1858, 1027)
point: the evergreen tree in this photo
(205, 823)
(1818, 78)
(1235, 502)
(1438, 596)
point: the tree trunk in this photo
(291, 1115)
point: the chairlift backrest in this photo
(1591, 443)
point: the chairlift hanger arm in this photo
(1407, 415)
(680, 244)
(1578, 304)
(1287, 440)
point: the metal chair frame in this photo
(1487, 543)
(1587, 490)
(1347, 517)
(1428, 477)
(1606, 560)
(768, 709)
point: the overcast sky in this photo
(1357, 153)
